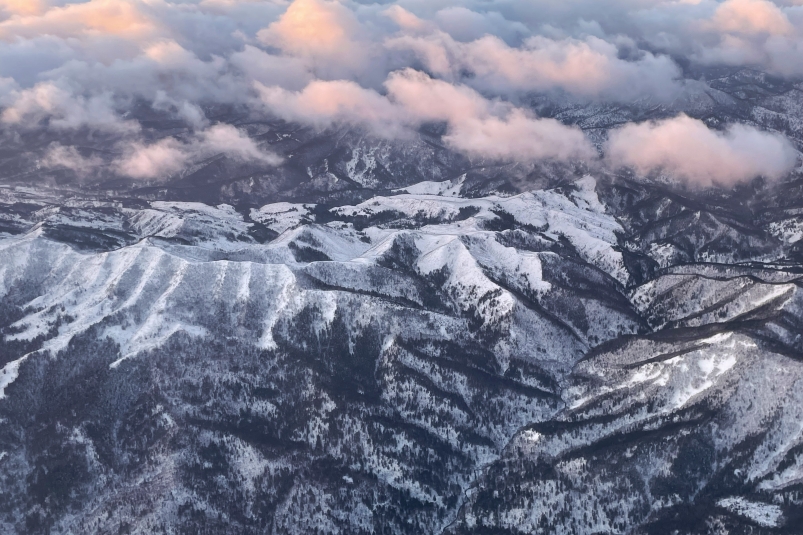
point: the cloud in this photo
(428, 100)
(63, 110)
(161, 67)
(8, 89)
(466, 25)
(268, 69)
(687, 148)
(325, 31)
(751, 17)
(96, 17)
(22, 7)
(169, 156)
(325, 103)
(387, 67)
(755, 33)
(759, 34)
(190, 113)
(520, 137)
(406, 20)
(489, 129)
(590, 67)
(315, 27)
(226, 139)
(588, 49)
(475, 125)
(60, 157)
(157, 160)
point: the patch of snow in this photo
(467, 284)
(789, 231)
(586, 196)
(790, 475)
(361, 166)
(763, 514)
(155, 223)
(711, 367)
(447, 188)
(282, 216)
(285, 279)
(522, 268)
(663, 253)
(9, 374)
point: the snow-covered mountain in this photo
(388, 337)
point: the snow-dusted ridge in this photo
(145, 281)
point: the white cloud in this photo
(270, 69)
(477, 126)
(687, 148)
(169, 156)
(63, 110)
(60, 157)
(588, 67)
(70, 64)
(313, 27)
(226, 139)
(325, 31)
(157, 160)
(751, 17)
(324, 103)
(106, 17)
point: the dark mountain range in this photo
(391, 337)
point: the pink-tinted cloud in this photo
(60, 157)
(22, 7)
(488, 129)
(751, 17)
(169, 156)
(226, 139)
(96, 17)
(65, 110)
(428, 99)
(753, 32)
(520, 137)
(589, 67)
(324, 103)
(476, 125)
(688, 149)
(406, 20)
(157, 160)
(80, 64)
(321, 29)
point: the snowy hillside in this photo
(421, 361)
(389, 336)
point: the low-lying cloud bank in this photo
(687, 148)
(476, 125)
(390, 68)
(165, 157)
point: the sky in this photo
(388, 68)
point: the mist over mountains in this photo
(401, 267)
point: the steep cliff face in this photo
(390, 338)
